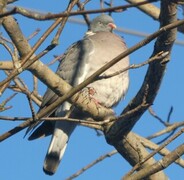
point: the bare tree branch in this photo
(134, 151)
(154, 152)
(160, 165)
(148, 9)
(38, 16)
(152, 11)
(149, 144)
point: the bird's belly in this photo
(108, 92)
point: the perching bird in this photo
(82, 59)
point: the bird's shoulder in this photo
(72, 52)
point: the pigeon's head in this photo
(102, 23)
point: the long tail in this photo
(62, 132)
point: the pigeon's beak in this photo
(112, 25)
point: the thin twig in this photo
(151, 111)
(169, 114)
(168, 129)
(167, 137)
(3, 104)
(22, 87)
(167, 124)
(34, 34)
(56, 58)
(31, 107)
(85, 16)
(86, 123)
(99, 159)
(158, 56)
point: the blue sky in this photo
(21, 159)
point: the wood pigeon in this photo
(82, 59)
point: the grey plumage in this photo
(82, 59)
